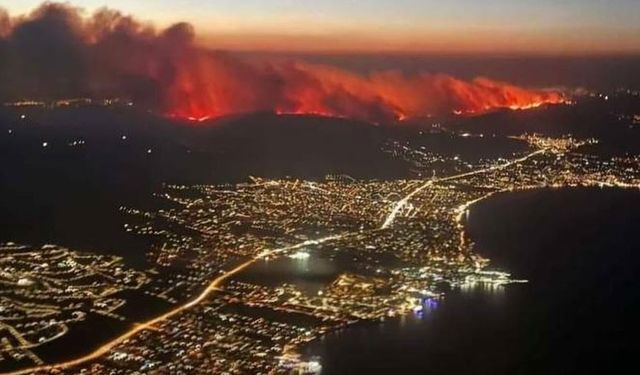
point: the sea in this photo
(578, 248)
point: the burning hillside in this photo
(57, 52)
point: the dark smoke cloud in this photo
(57, 52)
(44, 53)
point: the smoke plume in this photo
(57, 52)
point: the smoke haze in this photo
(57, 52)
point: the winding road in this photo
(215, 283)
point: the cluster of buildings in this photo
(67, 102)
(404, 239)
(47, 290)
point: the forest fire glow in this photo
(57, 52)
(302, 88)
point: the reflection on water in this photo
(309, 273)
(420, 342)
(311, 270)
(492, 289)
(578, 249)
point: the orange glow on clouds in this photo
(113, 55)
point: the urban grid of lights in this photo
(217, 232)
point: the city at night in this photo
(335, 187)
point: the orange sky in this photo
(551, 42)
(550, 27)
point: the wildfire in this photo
(56, 51)
(213, 90)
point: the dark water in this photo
(309, 275)
(578, 314)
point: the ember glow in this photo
(57, 52)
(213, 89)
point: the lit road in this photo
(215, 284)
(212, 287)
(399, 205)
